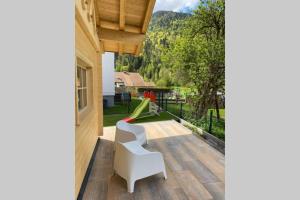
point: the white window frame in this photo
(81, 114)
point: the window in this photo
(82, 88)
(84, 98)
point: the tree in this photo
(211, 18)
(200, 54)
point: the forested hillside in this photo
(164, 26)
(164, 20)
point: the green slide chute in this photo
(139, 109)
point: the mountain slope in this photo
(165, 19)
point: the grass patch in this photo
(114, 114)
(119, 108)
(111, 120)
(175, 109)
(221, 111)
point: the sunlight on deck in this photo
(195, 169)
(155, 130)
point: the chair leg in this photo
(130, 186)
(165, 173)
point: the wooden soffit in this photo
(122, 24)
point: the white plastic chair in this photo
(132, 162)
(126, 132)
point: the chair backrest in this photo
(122, 125)
(124, 132)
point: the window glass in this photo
(84, 78)
(81, 87)
(80, 106)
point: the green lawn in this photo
(222, 113)
(111, 120)
(119, 108)
(175, 109)
(114, 114)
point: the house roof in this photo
(132, 79)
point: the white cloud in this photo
(174, 5)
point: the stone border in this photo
(208, 138)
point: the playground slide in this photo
(138, 110)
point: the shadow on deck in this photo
(195, 170)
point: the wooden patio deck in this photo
(195, 170)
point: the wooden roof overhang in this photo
(122, 24)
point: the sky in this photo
(175, 5)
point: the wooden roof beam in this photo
(116, 26)
(122, 15)
(146, 22)
(97, 15)
(138, 49)
(148, 15)
(121, 48)
(120, 36)
(102, 50)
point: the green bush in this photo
(218, 126)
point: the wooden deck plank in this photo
(195, 170)
(193, 188)
(217, 190)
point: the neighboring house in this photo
(100, 26)
(130, 81)
(108, 75)
(119, 83)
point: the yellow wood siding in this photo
(90, 127)
(91, 16)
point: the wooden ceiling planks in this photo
(135, 11)
(109, 10)
(122, 24)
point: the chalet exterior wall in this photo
(88, 126)
(100, 26)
